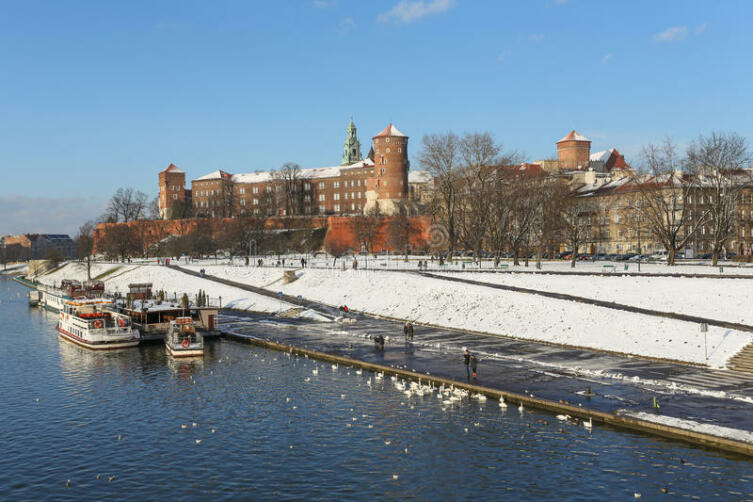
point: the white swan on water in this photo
(502, 403)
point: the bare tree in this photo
(292, 197)
(719, 161)
(665, 192)
(401, 228)
(366, 227)
(440, 156)
(574, 216)
(127, 205)
(85, 245)
(336, 249)
(479, 155)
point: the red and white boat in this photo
(96, 325)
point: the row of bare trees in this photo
(488, 202)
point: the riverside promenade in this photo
(700, 405)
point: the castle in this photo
(357, 185)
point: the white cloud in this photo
(502, 57)
(346, 24)
(406, 11)
(672, 34)
(606, 58)
(324, 4)
(22, 214)
(536, 37)
(700, 28)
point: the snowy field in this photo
(383, 262)
(477, 308)
(173, 282)
(721, 299)
(452, 305)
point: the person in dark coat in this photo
(466, 361)
(474, 366)
(379, 342)
(410, 331)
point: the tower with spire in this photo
(352, 148)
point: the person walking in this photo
(303, 263)
(474, 366)
(410, 331)
(467, 361)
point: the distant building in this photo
(353, 187)
(38, 246)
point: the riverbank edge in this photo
(617, 421)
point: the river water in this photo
(249, 423)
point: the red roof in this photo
(574, 136)
(391, 130)
(172, 168)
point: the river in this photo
(249, 423)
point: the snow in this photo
(175, 283)
(391, 130)
(704, 428)
(419, 177)
(478, 308)
(258, 177)
(721, 299)
(214, 175)
(602, 156)
(574, 135)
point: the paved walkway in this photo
(723, 398)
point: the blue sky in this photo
(96, 95)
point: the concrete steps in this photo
(743, 360)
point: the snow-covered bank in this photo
(710, 429)
(478, 308)
(173, 282)
(15, 269)
(722, 299)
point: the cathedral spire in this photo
(352, 148)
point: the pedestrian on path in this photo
(379, 342)
(466, 361)
(408, 331)
(474, 366)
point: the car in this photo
(706, 256)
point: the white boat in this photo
(182, 340)
(34, 298)
(54, 299)
(94, 324)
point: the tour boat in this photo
(182, 340)
(34, 298)
(54, 298)
(94, 324)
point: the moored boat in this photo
(34, 298)
(182, 340)
(94, 324)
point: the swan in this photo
(359, 372)
(563, 417)
(588, 425)
(315, 371)
(502, 403)
(334, 367)
(482, 397)
(521, 408)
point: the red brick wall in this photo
(339, 228)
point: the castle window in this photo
(352, 195)
(243, 202)
(387, 140)
(336, 184)
(256, 211)
(307, 210)
(321, 185)
(322, 197)
(337, 197)
(399, 150)
(268, 188)
(359, 183)
(307, 186)
(175, 196)
(382, 162)
(255, 190)
(256, 202)
(352, 207)
(388, 150)
(307, 198)
(321, 209)
(337, 208)
(381, 171)
(242, 191)
(359, 195)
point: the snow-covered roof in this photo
(574, 135)
(391, 130)
(172, 168)
(419, 177)
(257, 177)
(602, 156)
(214, 175)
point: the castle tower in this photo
(389, 184)
(172, 190)
(352, 148)
(573, 151)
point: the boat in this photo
(34, 298)
(182, 340)
(54, 299)
(153, 317)
(95, 324)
